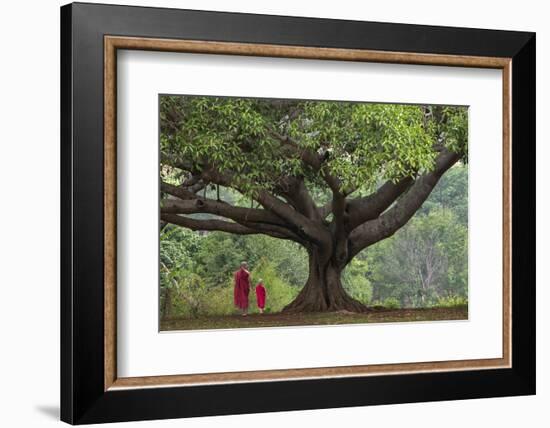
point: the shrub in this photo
(391, 303)
(220, 301)
(450, 301)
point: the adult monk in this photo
(242, 288)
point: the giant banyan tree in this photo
(334, 177)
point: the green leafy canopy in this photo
(261, 141)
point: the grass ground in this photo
(321, 318)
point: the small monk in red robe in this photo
(242, 288)
(260, 296)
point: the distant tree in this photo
(451, 192)
(219, 256)
(425, 260)
(377, 163)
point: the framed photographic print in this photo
(265, 213)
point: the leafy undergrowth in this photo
(378, 315)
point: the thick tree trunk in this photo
(323, 290)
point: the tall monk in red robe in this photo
(242, 288)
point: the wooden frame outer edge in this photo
(112, 43)
(110, 187)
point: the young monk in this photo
(260, 296)
(242, 288)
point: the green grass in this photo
(319, 318)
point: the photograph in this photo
(290, 212)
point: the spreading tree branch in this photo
(220, 226)
(305, 227)
(370, 207)
(389, 222)
(197, 204)
(294, 191)
(300, 224)
(261, 220)
(211, 224)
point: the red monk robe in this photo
(242, 288)
(260, 295)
